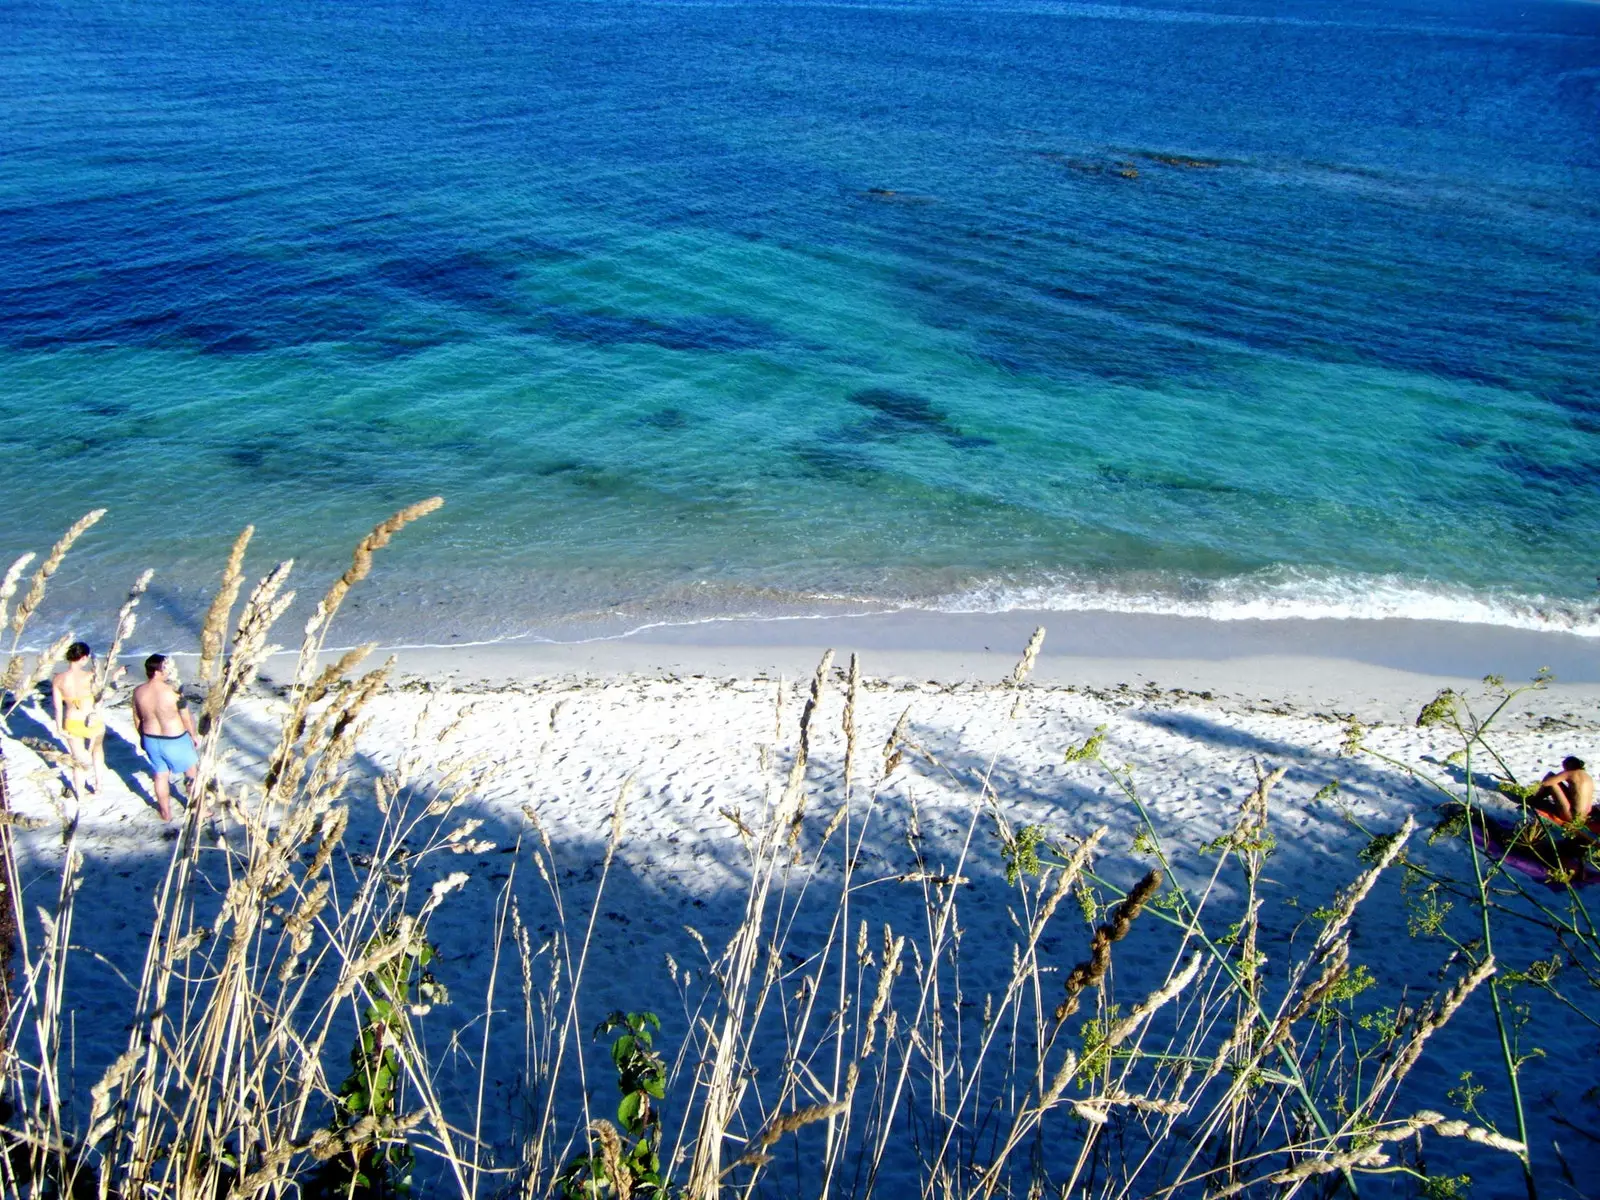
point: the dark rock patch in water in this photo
(469, 278)
(1117, 168)
(324, 452)
(146, 282)
(1585, 424)
(559, 466)
(838, 463)
(588, 477)
(1186, 161)
(534, 249)
(298, 461)
(666, 418)
(1120, 476)
(881, 195)
(902, 407)
(1464, 438)
(899, 414)
(1081, 350)
(1545, 472)
(725, 333)
(1580, 400)
(216, 337)
(387, 345)
(78, 445)
(247, 457)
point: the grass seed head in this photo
(8, 586)
(41, 577)
(214, 629)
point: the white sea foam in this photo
(1287, 594)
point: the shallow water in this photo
(1236, 308)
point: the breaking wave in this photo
(1286, 594)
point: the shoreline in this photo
(1374, 669)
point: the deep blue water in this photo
(1232, 307)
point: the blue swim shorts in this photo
(169, 755)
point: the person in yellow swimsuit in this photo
(78, 721)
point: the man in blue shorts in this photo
(166, 731)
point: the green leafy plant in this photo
(375, 1161)
(1465, 812)
(625, 1163)
(1090, 750)
(1021, 853)
(1446, 1187)
(1466, 1096)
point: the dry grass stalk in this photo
(1428, 1021)
(225, 1054)
(1024, 668)
(1334, 968)
(794, 793)
(308, 686)
(893, 748)
(605, 1133)
(851, 697)
(1097, 1109)
(11, 681)
(619, 813)
(266, 604)
(1119, 1032)
(1444, 1127)
(755, 1151)
(718, 1091)
(360, 566)
(8, 585)
(893, 947)
(16, 679)
(336, 671)
(1025, 972)
(1322, 1162)
(214, 629)
(1370, 1156)
(1345, 903)
(43, 665)
(1093, 969)
(127, 620)
(41, 577)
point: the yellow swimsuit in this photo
(82, 725)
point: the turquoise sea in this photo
(1234, 307)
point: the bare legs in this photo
(97, 746)
(163, 788)
(87, 755)
(1552, 798)
(163, 796)
(80, 753)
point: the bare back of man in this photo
(1568, 793)
(166, 732)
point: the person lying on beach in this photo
(166, 731)
(79, 724)
(1568, 794)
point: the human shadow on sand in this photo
(122, 758)
(652, 907)
(1351, 772)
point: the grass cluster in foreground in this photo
(276, 1042)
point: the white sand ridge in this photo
(700, 755)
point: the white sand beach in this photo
(697, 733)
